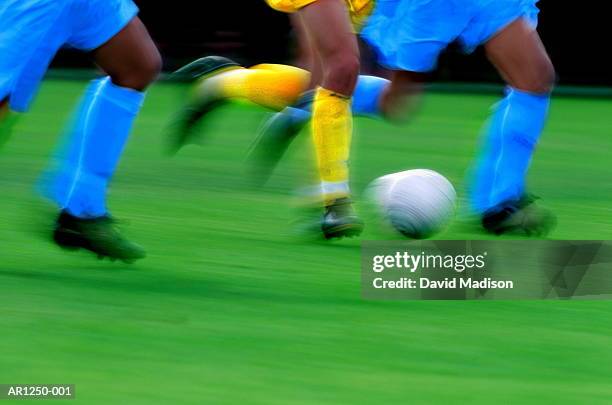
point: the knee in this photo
(341, 72)
(140, 75)
(542, 80)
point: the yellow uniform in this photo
(288, 6)
(359, 9)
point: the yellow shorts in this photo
(359, 9)
(289, 6)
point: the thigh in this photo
(328, 26)
(308, 57)
(519, 55)
(130, 57)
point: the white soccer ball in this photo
(418, 203)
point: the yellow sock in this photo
(271, 86)
(332, 126)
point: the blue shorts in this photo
(32, 31)
(410, 34)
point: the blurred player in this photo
(31, 32)
(275, 87)
(328, 26)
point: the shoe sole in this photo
(65, 239)
(343, 231)
(546, 225)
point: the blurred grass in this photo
(230, 308)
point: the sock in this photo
(271, 86)
(301, 111)
(93, 147)
(367, 95)
(509, 144)
(331, 130)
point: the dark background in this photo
(251, 32)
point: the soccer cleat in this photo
(274, 139)
(520, 216)
(181, 130)
(340, 220)
(98, 235)
(204, 67)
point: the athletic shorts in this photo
(410, 34)
(32, 31)
(359, 9)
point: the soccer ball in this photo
(418, 203)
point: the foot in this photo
(98, 235)
(181, 130)
(274, 139)
(522, 216)
(340, 220)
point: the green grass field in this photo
(229, 308)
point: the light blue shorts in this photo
(32, 31)
(410, 34)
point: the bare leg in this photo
(130, 58)
(308, 57)
(96, 142)
(328, 26)
(4, 108)
(5, 121)
(403, 96)
(519, 55)
(499, 190)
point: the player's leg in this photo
(220, 80)
(281, 128)
(279, 90)
(279, 131)
(307, 55)
(273, 86)
(407, 37)
(4, 108)
(97, 139)
(499, 185)
(6, 121)
(373, 96)
(400, 98)
(328, 25)
(269, 85)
